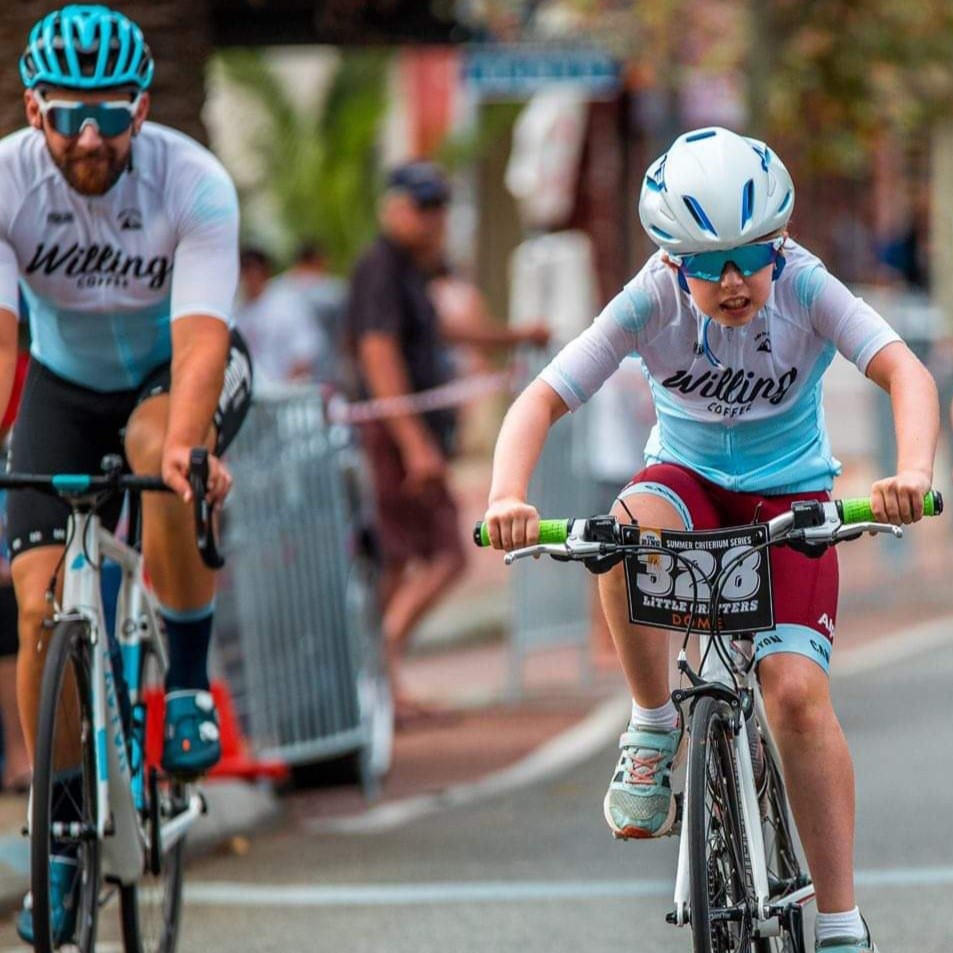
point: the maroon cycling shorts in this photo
(804, 588)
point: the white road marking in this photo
(228, 894)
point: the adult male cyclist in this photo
(121, 236)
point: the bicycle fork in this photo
(766, 921)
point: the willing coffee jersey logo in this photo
(733, 393)
(99, 265)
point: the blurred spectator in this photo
(325, 294)
(284, 340)
(401, 348)
(465, 318)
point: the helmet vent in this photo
(704, 134)
(698, 213)
(785, 201)
(747, 202)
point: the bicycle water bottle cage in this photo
(808, 514)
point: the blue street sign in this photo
(521, 70)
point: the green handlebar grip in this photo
(860, 510)
(550, 531)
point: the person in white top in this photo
(735, 324)
(276, 320)
(120, 237)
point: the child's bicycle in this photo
(739, 884)
(102, 818)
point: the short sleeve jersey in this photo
(103, 277)
(755, 424)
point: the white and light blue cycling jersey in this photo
(755, 424)
(103, 277)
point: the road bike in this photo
(740, 883)
(117, 814)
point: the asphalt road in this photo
(536, 871)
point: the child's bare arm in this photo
(916, 416)
(511, 521)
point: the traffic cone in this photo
(238, 760)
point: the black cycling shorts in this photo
(65, 428)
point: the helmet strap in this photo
(682, 282)
(779, 264)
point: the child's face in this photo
(734, 299)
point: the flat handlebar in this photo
(850, 511)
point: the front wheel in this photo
(150, 909)
(720, 903)
(785, 874)
(64, 849)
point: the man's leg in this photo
(423, 558)
(31, 572)
(185, 588)
(415, 593)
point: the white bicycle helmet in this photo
(713, 190)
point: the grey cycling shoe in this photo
(848, 944)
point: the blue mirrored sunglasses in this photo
(69, 118)
(748, 259)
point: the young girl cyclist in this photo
(736, 325)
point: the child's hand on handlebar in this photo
(512, 523)
(899, 499)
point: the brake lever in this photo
(575, 550)
(202, 510)
(853, 530)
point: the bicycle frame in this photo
(117, 822)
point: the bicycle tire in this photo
(150, 909)
(68, 653)
(780, 849)
(719, 882)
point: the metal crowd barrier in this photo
(299, 639)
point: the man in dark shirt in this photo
(401, 348)
(394, 329)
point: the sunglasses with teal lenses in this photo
(748, 259)
(69, 118)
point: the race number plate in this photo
(661, 588)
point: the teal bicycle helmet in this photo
(86, 47)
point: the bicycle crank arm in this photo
(175, 829)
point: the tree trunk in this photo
(176, 30)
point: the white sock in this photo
(664, 717)
(829, 925)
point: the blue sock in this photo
(190, 633)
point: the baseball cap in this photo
(424, 182)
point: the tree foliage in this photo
(832, 72)
(320, 169)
